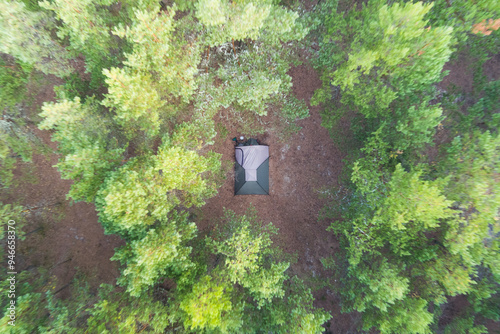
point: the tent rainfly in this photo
(251, 169)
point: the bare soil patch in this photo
(460, 74)
(65, 237)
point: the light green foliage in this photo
(367, 173)
(250, 61)
(10, 212)
(384, 286)
(88, 25)
(415, 125)
(249, 92)
(245, 249)
(83, 22)
(226, 21)
(64, 115)
(157, 84)
(209, 307)
(411, 201)
(305, 318)
(89, 149)
(30, 305)
(26, 35)
(294, 313)
(161, 67)
(405, 209)
(248, 288)
(162, 250)
(146, 190)
(394, 54)
(383, 60)
(406, 316)
(390, 257)
(449, 271)
(408, 237)
(295, 109)
(195, 135)
(158, 49)
(37, 308)
(134, 99)
(438, 236)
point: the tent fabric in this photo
(251, 157)
(251, 170)
(252, 188)
(239, 177)
(263, 175)
(250, 175)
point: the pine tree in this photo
(408, 245)
(161, 252)
(117, 311)
(245, 249)
(160, 69)
(86, 140)
(147, 189)
(247, 38)
(88, 25)
(208, 307)
(395, 54)
(462, 15)
(26, 35)
(15, 142)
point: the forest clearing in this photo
(118, 166)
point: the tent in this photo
(251, 169)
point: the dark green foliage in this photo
(118, 311)
(462, 15)
(38, 310)
(16, 143)
(14, 77)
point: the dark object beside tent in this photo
(251, 169)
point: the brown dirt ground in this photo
(65, 237)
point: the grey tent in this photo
(251, 169)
